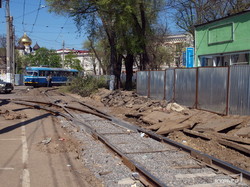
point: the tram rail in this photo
(86, 119)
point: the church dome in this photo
(25, 40)
(36, 47)
(20, 46)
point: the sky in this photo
(47, 29)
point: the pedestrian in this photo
(49, 79)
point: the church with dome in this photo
(24, 45)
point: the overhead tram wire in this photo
(61, 29)
(39, 7)
(24, 1)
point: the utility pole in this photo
(13, 51)
(8, 41)
(63, 45)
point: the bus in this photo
(45, 76)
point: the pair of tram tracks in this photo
(130, 143)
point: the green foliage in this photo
(87, 85)
(72, 62)
(21, 62)
(43, 57)
(99, 50)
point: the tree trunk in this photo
(129, 60)
(117, 72)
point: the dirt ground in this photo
(36, 150)
(154, 114)
(53, 153)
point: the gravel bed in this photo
(110, 169)
(87, 117)
(103, 126)
(100, 160)
(134, 142)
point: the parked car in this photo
(6, 87)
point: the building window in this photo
(206, 61)
(238, 59)
(225, 60)
(220, 34)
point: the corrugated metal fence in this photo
(223, 90)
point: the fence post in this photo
(174, 84)
(149, 84)
(228, 90)
(136, 77)
(197, 87)
(164, 86)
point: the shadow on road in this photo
(20, 109)
(4, 102)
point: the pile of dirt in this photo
(132, 100)
(123, 98)
(164, 117)
(10, 115)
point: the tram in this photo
(45, 76)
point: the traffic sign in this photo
(189, 57)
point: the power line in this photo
(23, 14)
(36, 16)
(62, 29)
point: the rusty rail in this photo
(151, 180)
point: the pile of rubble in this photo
(180, 123)
(10, 115)
(132, 100)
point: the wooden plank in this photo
(211, 135)
(173, 126)
(227, 137)
(236, 139)
(158, 116)
(239, 147)
(204, 117)
(168, 122)
(217, 125)
(195, 133)
(154, 127)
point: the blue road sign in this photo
(189, 57)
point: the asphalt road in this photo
(36, 150)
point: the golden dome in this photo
(25, 40)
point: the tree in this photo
(2, 41)
(72, 62)
(97, 51)
(43, 57)
(131, 19)
(189, 13)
